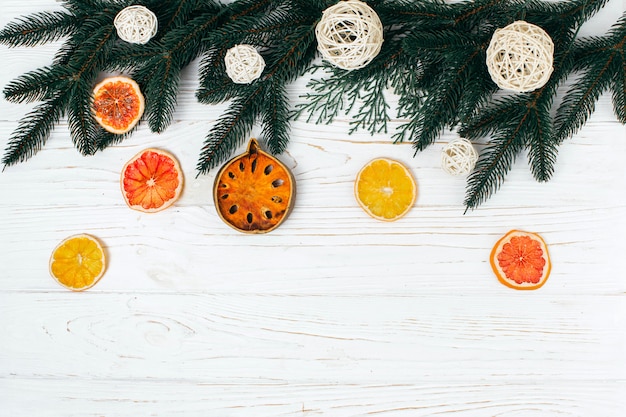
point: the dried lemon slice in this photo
(385, 189)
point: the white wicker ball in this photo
(243, 64)
(136, 24)
(349, 34)
(458, 157)
(520, 57)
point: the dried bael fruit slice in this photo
(521, 261)
(151, 181)
(118, 104)
(385, 189)
(254, 192)
(78, 262)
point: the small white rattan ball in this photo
(243, 64)
(349, 34)
(458, 157)
(520, 57)
(136, 24)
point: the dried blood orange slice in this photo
(118, 104)
(78, 262)
(520, 260)
(254, 192)
(385, 189)
(151, 181)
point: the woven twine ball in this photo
(520, 56)
(136, 24)
(458, 157)
(243, 64)
(349, 34)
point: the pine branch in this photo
(34, 129)
(38, 28)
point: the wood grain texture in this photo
(331, 314)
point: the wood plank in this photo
(269, 398)
(338, 339)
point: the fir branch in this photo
(602, 61)
(275, 118)
(540, 141)
(103, 139)
(427, 14)
(250, 26)
(38, 28)
(160, 86)
(160, 76)
(493, 164)
(459, 67)
(80, 118)
(37, 85)
(231, 129)
(34, 129)
(285, 62)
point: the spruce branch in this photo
(602, 62)
(231, 129)
(80, 118)
(34, 129)
(262, 98)
(275, 118)
(37, 85)
(38, 28)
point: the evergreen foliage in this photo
(433, 59)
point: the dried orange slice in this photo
(254, 192)
(520, 260)
(151, 181)
(385, 189)
(78, 262)
(118, 104)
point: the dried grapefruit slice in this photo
(254, 192)
(78, 262)
(118, 104)
(521, 261)
(385, 189)
(151, 181)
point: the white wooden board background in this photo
(333, 313)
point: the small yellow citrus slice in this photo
(118, 104)
(151, 181)
(385, 189)
(520, 260)
(78, 262)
